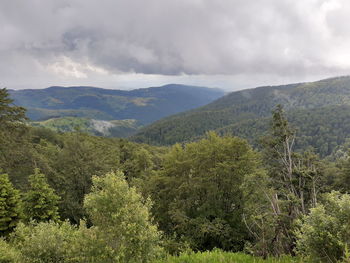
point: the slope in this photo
(142, 105)
(319, 109)
(114, 128)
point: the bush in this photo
(44, 242)
(218, 256)
(122, 231)
(324, 234)
(8, 254)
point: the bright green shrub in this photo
(122, 231)
(8, 254)
(44, 242)
(325, 233)
(218, 256)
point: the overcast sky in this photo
(232, 44)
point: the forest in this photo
(317, 110)
(74, 197)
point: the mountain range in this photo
(143, 105)
(319, 111)
(108, 112)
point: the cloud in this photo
(72, 40)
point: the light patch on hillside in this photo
(141, 101)
(102, 126)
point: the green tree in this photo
(10, 114)
(291, 188)
(198, 192)
(8, 254)
(324, 234)
(10, 203)
(81, 157)
(121, 222)
(40, 202)
(15, 151)
(45, 242)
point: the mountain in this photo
(320, 111)
(142, 105)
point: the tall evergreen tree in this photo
(9, 113)
(15, 150)
(40, 202)
(10, 202)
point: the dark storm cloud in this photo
(81, 38)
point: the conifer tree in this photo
(10, 201)
(40, 202)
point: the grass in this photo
(218, 256)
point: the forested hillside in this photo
(113, 128)
(318, 110)
(73, 197)
(142, 105)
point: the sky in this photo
(126, 44)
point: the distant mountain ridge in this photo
(143, 105)
(320, 111)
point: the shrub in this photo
(44, 242)
(8, 254)
(324, 234)
(122, 231)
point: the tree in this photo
(10, 212)
(15, 152)
(293, 184)
(40, 202)
(198, 193)
(10, 115)
(324, 233)
(45, 242)
(8, 254)
(122, 225)
(81, 157)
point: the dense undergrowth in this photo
(218, 256)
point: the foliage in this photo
(121, 221)
(40, 202)
(216, 192)
(44, 242)
(80, 158)
(14, 149)
(64, 124)
(320, 110)
(144, 105)
(289, 190)
(324, 234)
(10, 212)
(70, 160)
(197, 194)
(218, 256)
(10, 115)
(8, 254)
(114, 128)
